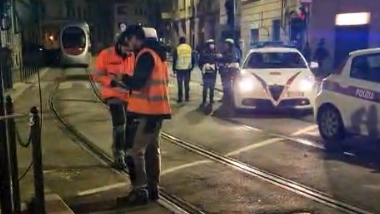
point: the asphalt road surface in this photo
(281, 144)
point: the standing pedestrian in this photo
(321, 54)
(307, 52)
(208, 66)
(229, 65)
(183, 64)
(111, 62)
(149, 104)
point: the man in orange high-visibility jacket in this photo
(149, 104)
(110, 63)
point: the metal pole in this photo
(5, 180)
(39, 189)
(234, 21)
(13, 155)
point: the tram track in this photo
(272, 178)
(167, 200)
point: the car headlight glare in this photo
(246, 85)
(307, 84)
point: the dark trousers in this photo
(209, 80)
(144, 162)
(226, 79)
(226, 76)
(183, 81)
(124, 132)
(119, 121)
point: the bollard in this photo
(11, 126)
(5, 180)
(38, 202)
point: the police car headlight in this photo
(245, 85)
(307, 84)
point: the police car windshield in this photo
(269, 60)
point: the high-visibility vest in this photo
(107, 66)
(153, 99)
(184, 57)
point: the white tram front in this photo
(75, 45)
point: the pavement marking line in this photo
(184, 166)
(101, 189)
(313, 133)
(305, 130)
(254, 146)
(235, 152)
(286, 137)
(66, 85)
(22, 87)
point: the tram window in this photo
(73, 37)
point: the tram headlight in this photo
(245, 85)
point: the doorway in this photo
(349, 38)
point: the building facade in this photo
(182, 20)
(264, 20)
(136, 13)
(226, 30)
(12, 38)
(208, 20)
(196, 20)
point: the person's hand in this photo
(219, 55)
(121, 84)
(119, 77)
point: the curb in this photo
(54, 204)
(20, 87)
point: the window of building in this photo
(122, 10)
(254, 35)
(79, 12)
(69, 8)
(366, 67)
(276, 30)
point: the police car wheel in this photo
(330, 124)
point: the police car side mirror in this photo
(6, 23)
(314, 65)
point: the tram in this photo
(75, 45)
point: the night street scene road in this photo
(190, 107)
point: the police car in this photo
(349, 99)
(274, 75)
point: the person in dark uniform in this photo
(229, 65)
(208, 66)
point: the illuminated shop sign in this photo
(344, 19)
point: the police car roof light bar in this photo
(272, 44)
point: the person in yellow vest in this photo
(149, 104)
(183, 64)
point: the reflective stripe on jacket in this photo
(153, 99)
(108, 65)
(184, 57)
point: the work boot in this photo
(136, 197)
(119, 161)
(153, 193)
